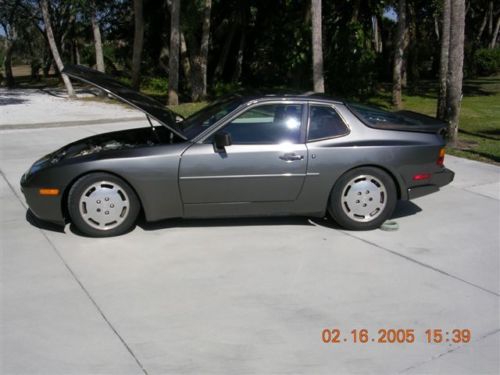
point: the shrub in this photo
(157, 85)
(487, 61)
(225, 88)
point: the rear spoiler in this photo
(424, 123)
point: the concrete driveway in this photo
(249, 296)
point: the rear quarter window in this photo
(325, 123)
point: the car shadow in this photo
(41, 224)
(403, 209)
(223, 222)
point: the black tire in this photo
(382, 200)
(99, 197)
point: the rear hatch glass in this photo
(401, 120)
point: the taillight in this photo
(440, 159)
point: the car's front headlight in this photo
(38, 165)
(35, 168)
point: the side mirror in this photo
(221, 140)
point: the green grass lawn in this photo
(187, 109)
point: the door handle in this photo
(291, 157)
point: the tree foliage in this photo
(252, 43)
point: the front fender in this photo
(152, 172)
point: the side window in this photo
(267, 124)
(325, 122)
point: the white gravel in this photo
(32, 106)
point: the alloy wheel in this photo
(364, 198)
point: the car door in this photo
(266, 161)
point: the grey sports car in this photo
(262, 155)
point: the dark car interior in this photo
(325, 123)
(267, 124)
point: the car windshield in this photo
(375, 116)
(203, 119)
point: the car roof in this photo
(246, 97)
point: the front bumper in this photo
(437, 181)
(45, 208)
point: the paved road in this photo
(249, 296)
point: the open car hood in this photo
(146, 104)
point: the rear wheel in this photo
(363, 199)
(102, 205)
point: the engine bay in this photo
(126, 139)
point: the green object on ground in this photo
(390, 225)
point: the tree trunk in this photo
(53, 47)
(7, 62)
(494, 38)
(99, 56)
(199, 63)
(239, 56)
(490, 19)
(443, 64)
(404, 76)
(164, 55)
(221, 64)
(77, 54)
(47, 63)
(138, 44)
(34, 63)
(196, 79)
(184, 55)
(377, 38)
(355, 10)
(317, 46)
(10, 38)
(399, 55)
(205, 36)
(410, 56)
(173, 58)
(436, 27)
(482, 27)
(455, 67)
(65, 45)
(186, 64)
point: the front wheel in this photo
(363, 199)
(102, 205)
